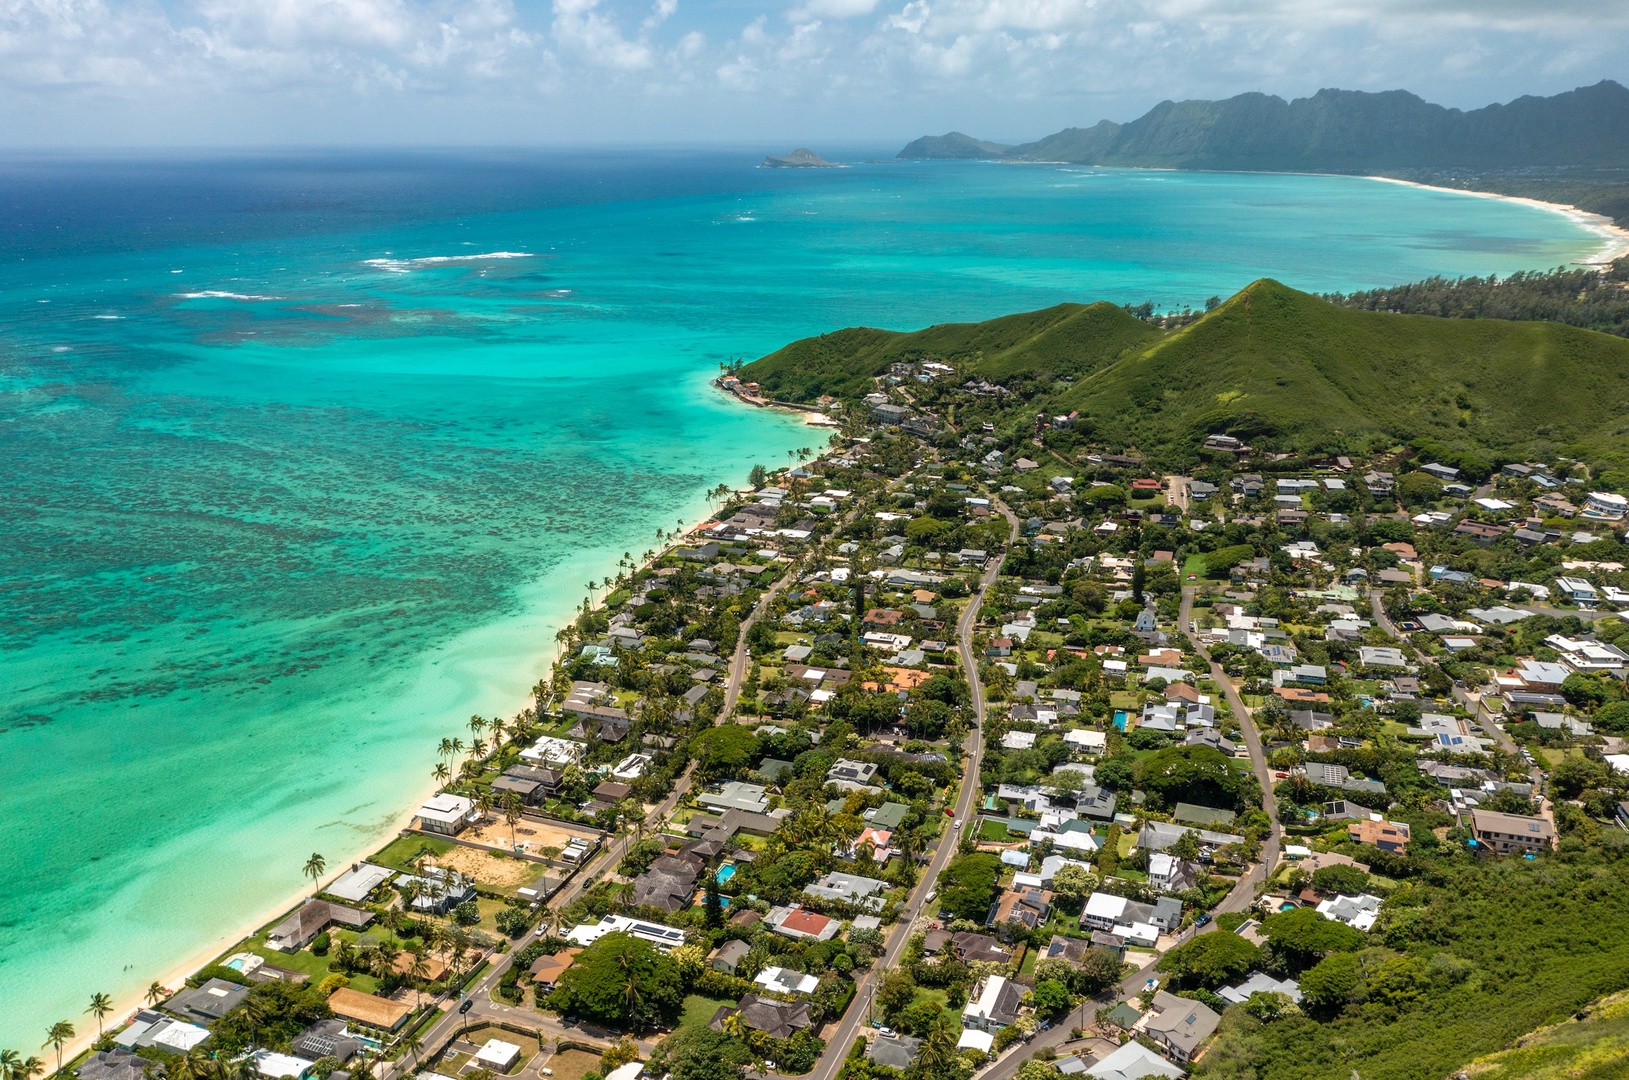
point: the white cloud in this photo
(1009, 67)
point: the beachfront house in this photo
(445, 814)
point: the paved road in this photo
(1481, 715)
(1243, 893)
(608, 857)
(843, 1037)
(1240, 897)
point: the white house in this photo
(446, 814)
(554, 752)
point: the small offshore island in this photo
(801, 158)
(1215, 693)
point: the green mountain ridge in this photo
(1272, 364)
(1335, 131)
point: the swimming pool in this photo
(1120, 719)
(725, 873)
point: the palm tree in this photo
(937, 1051)
(477, 724)
(511, 814)
(60, 1033)
(156, 994)
(412, 1044)
(9, 1060)
(441, 773)
(100, 1006)
(28, 1069)
(314, 867)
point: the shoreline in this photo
(175, 977)
(1614, 237)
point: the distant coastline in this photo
(1614, 237)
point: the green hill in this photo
(1270, 364)
(1069, 340)
(1594, 1048)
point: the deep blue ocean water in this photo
(303, 458)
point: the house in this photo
(1192, 814)
(1359, 912)
(437, 891)
(1159, 835)
(529, 789)
(1133, 1061)
(1180, 1025)
(993, 1005)
(553, 752)
(1507, 834)
(1381, 656)
(895, 1051)
(497, 1055)
(979, 948)
(357, 883)
(149, 1028)
(1577, 590)
(115, 1064)
(1260, 983)
(368, 1010)
(728, 956)
(312, 918)
(662, 936)
(445, 814)
(1168, 873)
(736, 795)
(783, 981)
(669, 883)
(777, 1019)
(1030, 907)
(209, 1002)
(796, 922)
(1386, 835)
(546, 970)
(1605, 506)
(852, 889)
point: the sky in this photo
(106, 73)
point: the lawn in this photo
(573, 1064)
(698, 1010)
(994, 831)
(400, 851)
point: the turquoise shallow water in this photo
(299, 473)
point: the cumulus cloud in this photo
(881, 60)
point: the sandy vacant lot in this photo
(532, 837)
(493, 870)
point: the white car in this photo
(957, 825)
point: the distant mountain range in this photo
(1344, 131)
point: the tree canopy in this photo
(620, 980)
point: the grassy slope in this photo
(1275, 360)
(1067, 340)
(1595, 1048)
(1270, 361)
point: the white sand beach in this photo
(1614, 239)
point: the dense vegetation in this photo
(1272, 366)
(1064, 341)
(1335, 131)
(1469, 956)
(1586, 298)
(1595, 1047)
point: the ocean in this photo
(307, 456)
